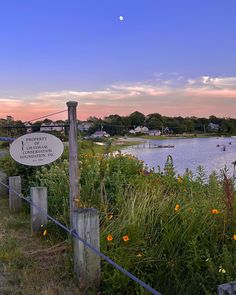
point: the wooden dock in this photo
(152, 146)
(159, 146)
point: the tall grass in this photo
(177, 233)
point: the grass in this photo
(32, 264)
(109, 146)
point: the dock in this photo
(152, 146)
(159, 146)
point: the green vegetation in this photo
(120, 125)
(105, 146)
(32, 265)
(116, 125)
(176, 233)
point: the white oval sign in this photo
(36, 149)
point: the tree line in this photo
(121, 125)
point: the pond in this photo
(211, 153)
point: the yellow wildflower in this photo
(109, 238)
(221, 269)
(234, 237)
(125, 238)
(177, 207)
(215, 211)
(45, 232)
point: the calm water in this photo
(189, 153)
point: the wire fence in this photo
(46, 116)
(7, 139)
(74, 234)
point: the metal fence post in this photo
(39, 198)
(86, 263)
(15, 201)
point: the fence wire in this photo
(75, 234)
(49, 115)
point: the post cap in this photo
(72, 103)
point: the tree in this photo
(113, 125)
(154, 121)
(137, 119)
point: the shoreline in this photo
(145, 138)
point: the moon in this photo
(121, 18)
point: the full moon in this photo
(121, 18)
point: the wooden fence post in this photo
(86, 262)
(73, 158)
(3, 190)
(227, 289)
(15, 202)
(39, 198)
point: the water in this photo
(189, 153)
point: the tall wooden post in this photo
(73, 158)
(15, 201)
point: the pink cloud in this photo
(203, 96)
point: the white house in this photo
(84, 126)
(132, 131)
(154, 132)
(213, 127)
(139, 129)
(29, 127)
(46, 127)
(99, 134)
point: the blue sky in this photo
(172, 57)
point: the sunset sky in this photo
(174, 57)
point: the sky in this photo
(173, 57)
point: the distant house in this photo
(167, 130)
(132, 131)
(154, 132)
(139, 129)
(99, 134)
(213, 127)
(28, 127)
(84, 126)
(46, 127)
